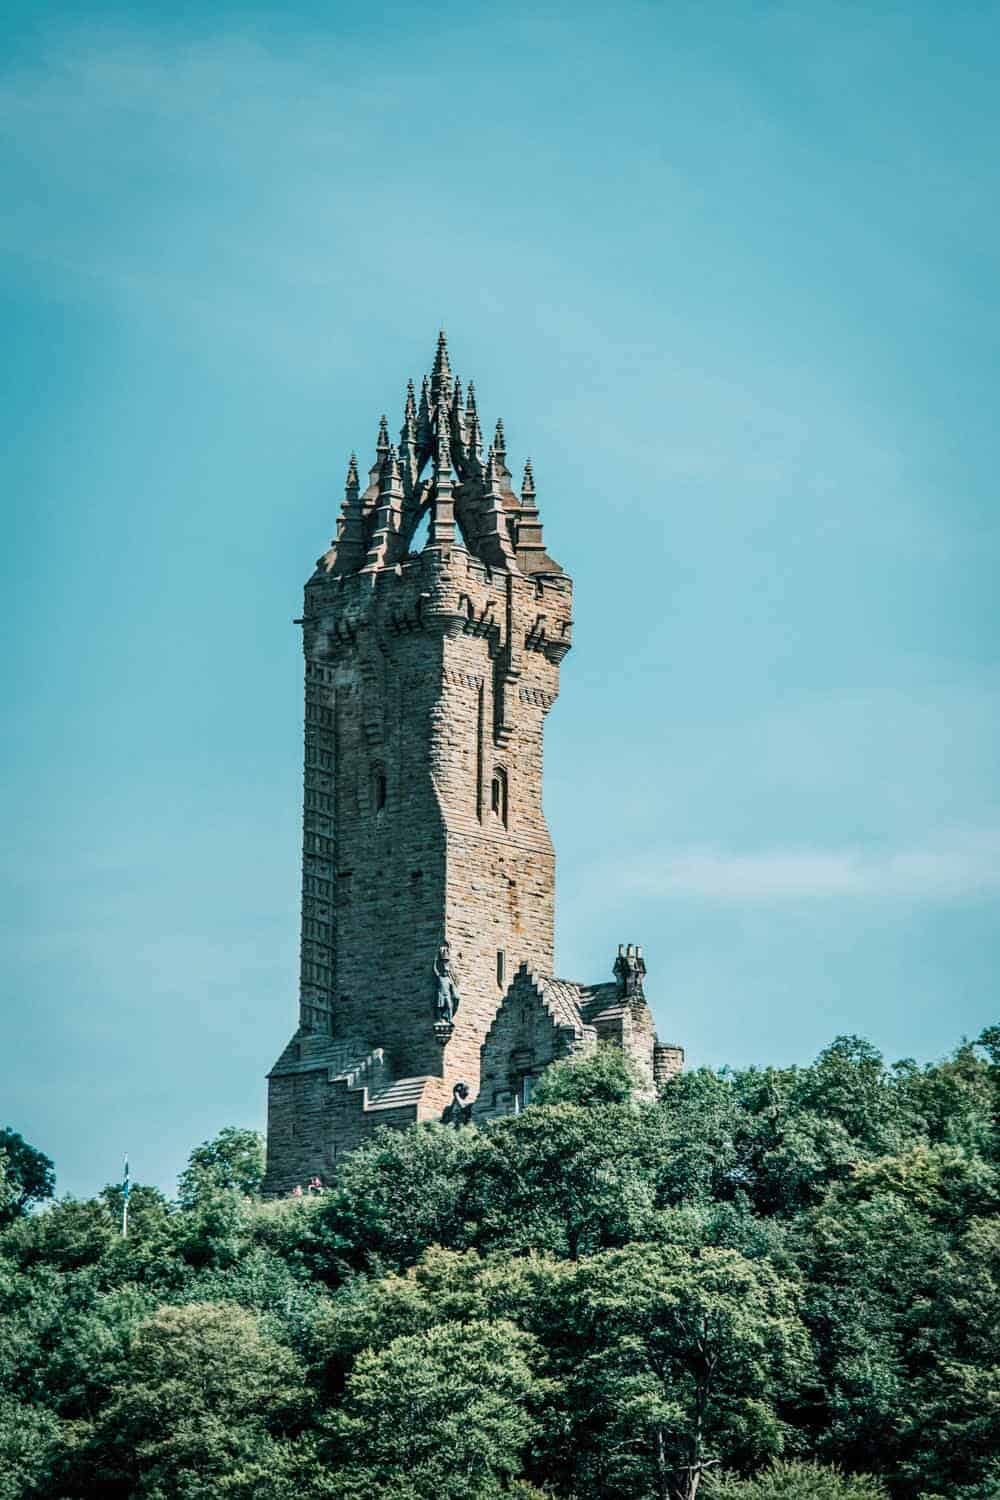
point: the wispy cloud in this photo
(966, 867)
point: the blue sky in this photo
(729, 274)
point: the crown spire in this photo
(442, 462)
(473, 431)
(347, 551)
(494, 543)
(408, 460)
(425, 432)
(531, 552)
(442, 524)
(385, 544)
(439, 466)
(381, 449)
(441, 373)
(458, 414)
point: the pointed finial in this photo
(494, 543)
(408, 435)
(443, 459)
(492, 471)
(347, 550)
(382, 444)
(425, 437)
(528, 482)
(390, 490)
(442, 527)
(441, 373)
(473, 432)
(499, 440)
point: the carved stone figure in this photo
(459, 1111)
(447, 998)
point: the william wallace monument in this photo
(428, 872)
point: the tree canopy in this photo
(766, 1284)
(27, 1176)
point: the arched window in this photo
(380, 789)
(498, 794)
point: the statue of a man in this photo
(459, 1111)
(447, 998)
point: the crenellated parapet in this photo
(524, 621)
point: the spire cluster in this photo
(438, 470)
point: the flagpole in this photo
(125, 1185)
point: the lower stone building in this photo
(541, 1020)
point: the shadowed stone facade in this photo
(428, 676)
(543, 1019)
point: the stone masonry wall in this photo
(525, 1037)
(629, 1025)
(424, 682)
(668, 1061)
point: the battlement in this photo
(451, 591)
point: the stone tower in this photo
(428, 676)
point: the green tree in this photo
(399, 1193)
(953, 1436)
(800, 1481)
(682, 1362)
(233, 1161)
(701, 1119)
(203, 1405)
(69, 1234)
(899, 1277)
(954, 1102)
(27, 1177)
(29, 1439)
(441, 1415)
(566, 1178)
(604, 1076)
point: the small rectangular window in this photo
(501, 966)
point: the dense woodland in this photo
(777, 1284)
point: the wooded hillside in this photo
(767, 1285)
